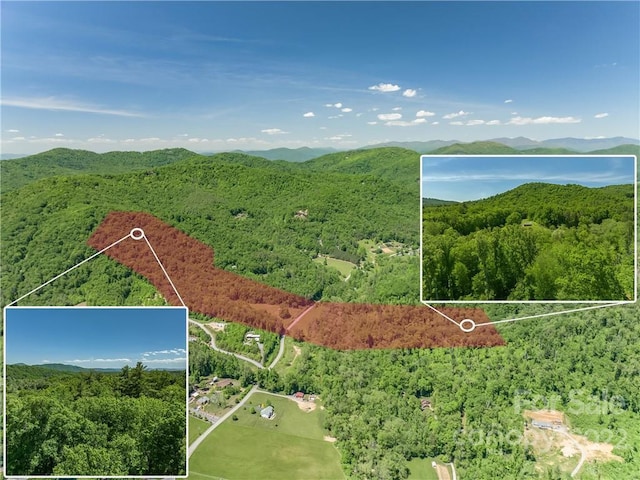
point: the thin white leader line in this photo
(553, 313)
(442, 314)
(68, 270)
(163, 269)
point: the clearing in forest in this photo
(555, 446)
(292, 445)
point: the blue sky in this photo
(96, 337)
(213, 76)
(471, 178)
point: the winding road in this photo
(254, 389)
(216, 348)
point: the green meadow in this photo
(288, 446)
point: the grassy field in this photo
(421, 469)
(289, 446)
(342, 266)
(196, 428)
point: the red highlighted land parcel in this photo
(229, 296)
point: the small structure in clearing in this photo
(267, 412)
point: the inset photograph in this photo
(528, 228)
(95, 391)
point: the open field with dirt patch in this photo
(291, 445)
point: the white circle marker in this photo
(467, 325)
(138, 233)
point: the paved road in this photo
(242, 357)
(216, 348)
(280, 353)
(200, 439)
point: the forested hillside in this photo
(63, 161)
(535, 242)
(266, 221)
(262, 221)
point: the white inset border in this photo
(603, 303)
(4, 383)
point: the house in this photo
(544, 425)
(213, 380)
(224, 383)
(203, 400)
(425, 403)
(312, 398)
(252, 336)
(267, 412)
(298, 396)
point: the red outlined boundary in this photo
(219, 293)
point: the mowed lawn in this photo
(342, 266)
(421, 469)
(196, 428)
(253, 447)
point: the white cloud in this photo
(53, 103)
(175, 351)
(309, 115)
(475, 122)
(409, 92)
(100, 139)
(340, 136)
(101, 360)
(493, 122)
(385, 87)
(337, 105)
(403, 123)
(424, 113)
(18, 138)
(372, 123)
(435, 123)
(165, 360)
(389, 116)
(542, 120)
(456, 123)
(273, 131)
(347, 110)
(396, 109)
(461, 113)
(508, 100)
(601, 115)
(12, 130)
(59, 135)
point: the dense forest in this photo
(95, 423)
(245, 208)
(535, 242)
